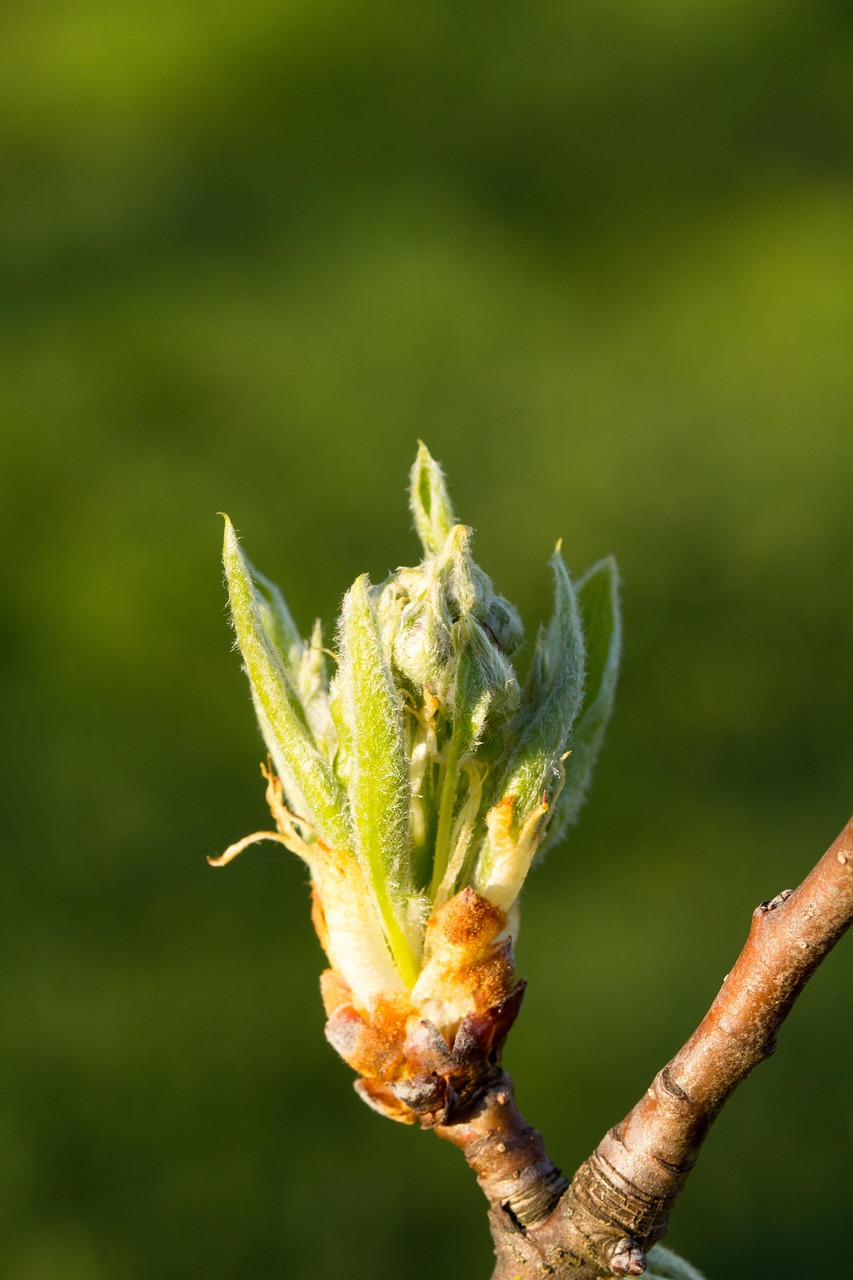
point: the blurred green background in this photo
(599, 255)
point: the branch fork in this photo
(429, 776)
(618, 1204)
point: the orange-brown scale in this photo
(318, 919)
(466, 920)
(466, 970)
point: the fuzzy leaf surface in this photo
(378, 781)
(284, 719)
(550, 699)
(277, 620)
(430, 502)
(598, 601)
(471, 700)
(542, 726)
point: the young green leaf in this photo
(541, 729)
(550, 699)
(319, 793)
(312, 683)
(471, 699)
(598, 600)
(430, 502)
(278, 621)
(378, 781)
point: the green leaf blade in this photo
(378, 780)
(599, 604)
(430, 502)
(278, 621)
(549, 705)
(471, 700)
(283, 718)
(550, 700)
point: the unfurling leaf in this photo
(422, 771)
(539, 732)
(430, 502)
(598, 600)
(378, 781)
(277, 621)
(318, 796)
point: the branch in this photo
(619, 1201)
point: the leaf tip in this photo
(230, 541)
(430, 501)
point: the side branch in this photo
(631, 1181)
(619, 1201)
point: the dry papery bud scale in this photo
(419, 781)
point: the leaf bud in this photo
(422, 775)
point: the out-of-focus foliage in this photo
(600, 255)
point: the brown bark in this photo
(619, 1201)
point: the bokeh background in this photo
(598, 255)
